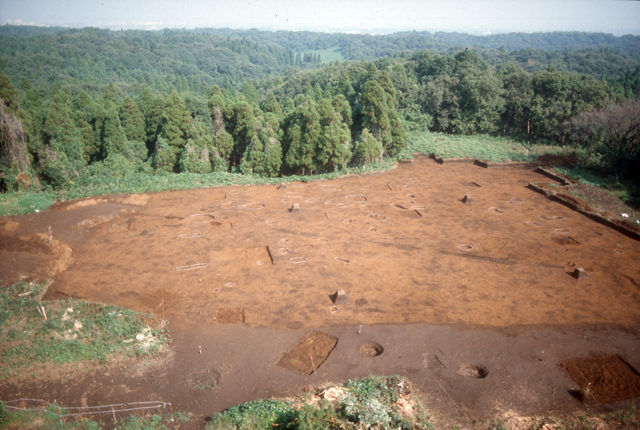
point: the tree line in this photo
(70, 135)
(194, 60)
(301, 121)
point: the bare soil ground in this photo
(437, 283)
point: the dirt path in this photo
(239, 274)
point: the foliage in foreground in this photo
(74, 330)
(10, 419)
(367, 403)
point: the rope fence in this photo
(39, 405)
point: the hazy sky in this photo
(480, 16)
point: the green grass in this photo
(74, 331)
(482, 147)
(12, 419)
(330, 54)
(369, 403)
(627, 191)
(136, 183)
(143, 183)
(24, 202)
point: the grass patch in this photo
(136, 183)
(24, 202)
(330, 54)
(627, 191)
(372, 402)
(482, 147)
(144, 183)
(74, 331)
(11, 419)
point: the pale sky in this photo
(366, 16)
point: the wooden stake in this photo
(313, 366)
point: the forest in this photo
(82, 103)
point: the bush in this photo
(614, 132)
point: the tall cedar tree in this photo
(151, 108)
(367, 148)
(60, 129)
(263, 155)
(199, 154)
(241, 125)
(84, 118)
(113, 136)
(333, 149)
(272, 106)
(380, 115)
(301, 137)
(132, 121)
(176, 122)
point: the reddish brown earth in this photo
(607, 378)
(437, 283)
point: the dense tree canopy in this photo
(105, 103)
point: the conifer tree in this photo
(132, 121)
(151, 108)
(199, 154)
(335, 137)
(176, 122)
(110, 94)
(289, 106)
(342, 106)
(228, 90)
(301, 137)
(216, 108)
(317, 93)
(375, 109)
(329, 92)
(367, 148)
(113, 135)
(84, 118)
(346, 89)
(263, 155)
(224, 145)
(60, 128)
(62, 159)
(165, 155)
(385, 82)
(272, 106)
(399, 136)
(249, 91)
(381, 118)
(373, 72)
(241, 125)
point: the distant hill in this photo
(198, 58)
(363, 44)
